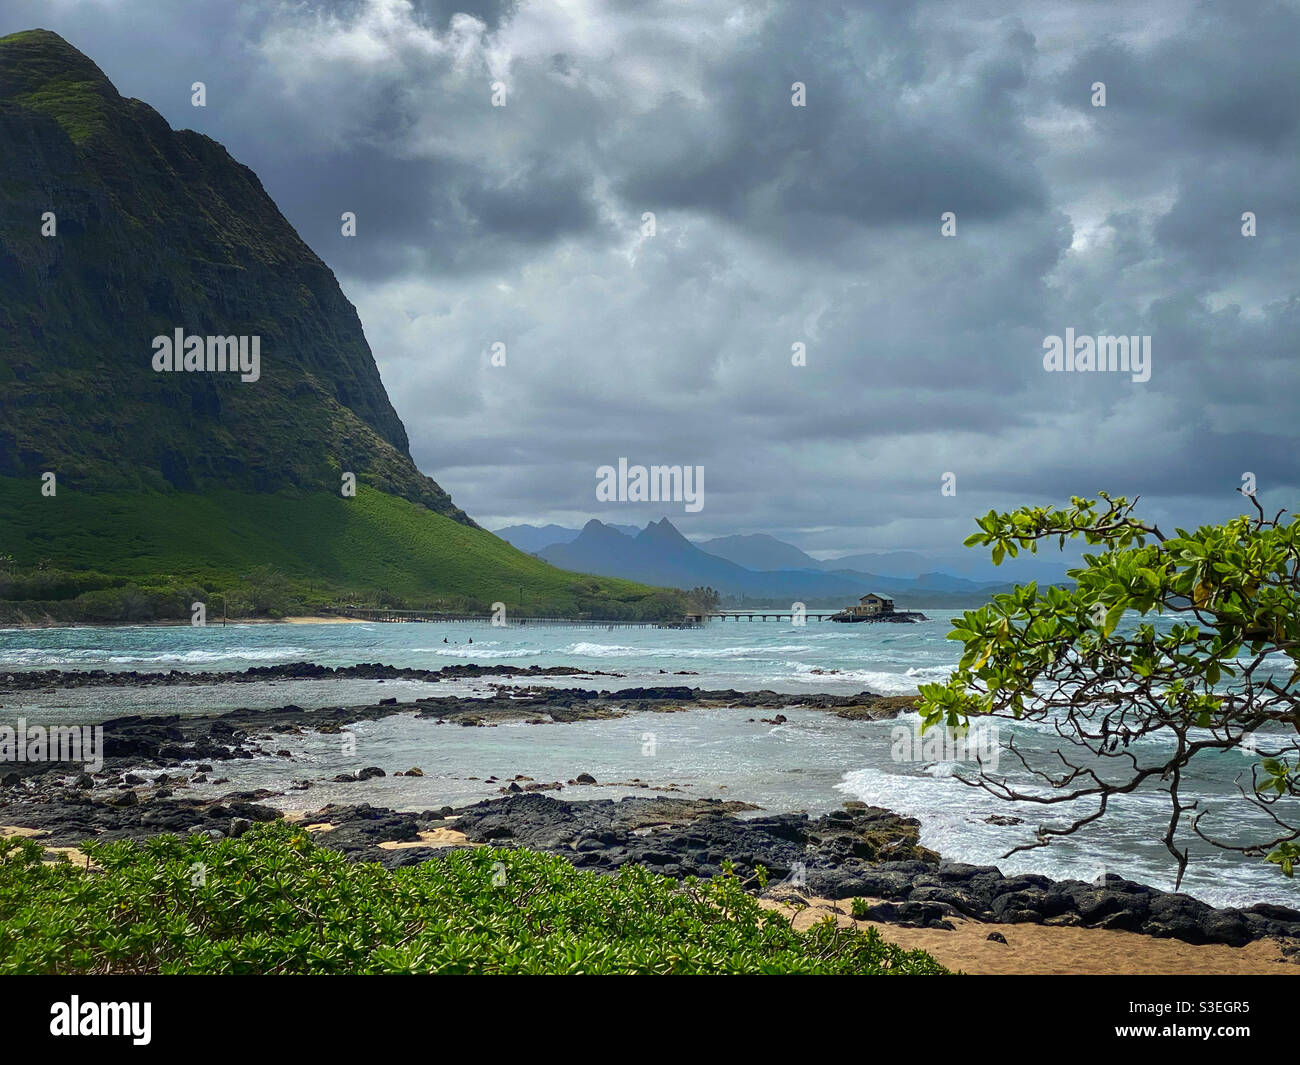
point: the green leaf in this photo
(1112, 618)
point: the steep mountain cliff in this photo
(120, 240)
(155, 230)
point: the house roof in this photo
(875, 595)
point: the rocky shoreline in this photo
(40, 679)
(858, 851)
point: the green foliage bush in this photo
(50, 584)
(1223, 674)
(271, 901)
(265, 591)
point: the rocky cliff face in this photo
(159, 230)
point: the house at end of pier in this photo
(871, 604)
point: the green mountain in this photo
(120, 236)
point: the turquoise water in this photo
(813, 762)
(889, 659)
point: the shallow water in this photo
(813, 763)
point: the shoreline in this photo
(968, 946)
(651, 832)
(297, 619)
(857, 851)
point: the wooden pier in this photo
(808, 615)
(760, 614)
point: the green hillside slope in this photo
(374, 548)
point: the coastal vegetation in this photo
(271, 901)
(1223, 676)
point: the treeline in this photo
(43, 594)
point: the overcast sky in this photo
(778, 224)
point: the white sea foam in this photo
(881, 681)
(476, 651)
(244, 654)
(614, 650)
(83, 656)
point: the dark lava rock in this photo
(683, 837)
(911, 914)
(253, 811)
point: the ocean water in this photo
(813, 762)
(821, 656)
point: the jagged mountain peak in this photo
(662, 530)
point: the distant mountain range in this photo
(533, 538)
(752, 568)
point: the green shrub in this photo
(273, 902)
(127, 603)
(267, 591)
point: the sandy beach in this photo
(216, 622)
(1041, 950)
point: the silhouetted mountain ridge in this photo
(660, 554)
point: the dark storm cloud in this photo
(435, 14)
(1215, 111)
(542, 202)
(1226, 78)
(775, 225)
(852, 155)
(438, 13)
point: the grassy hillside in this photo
(375, 547)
